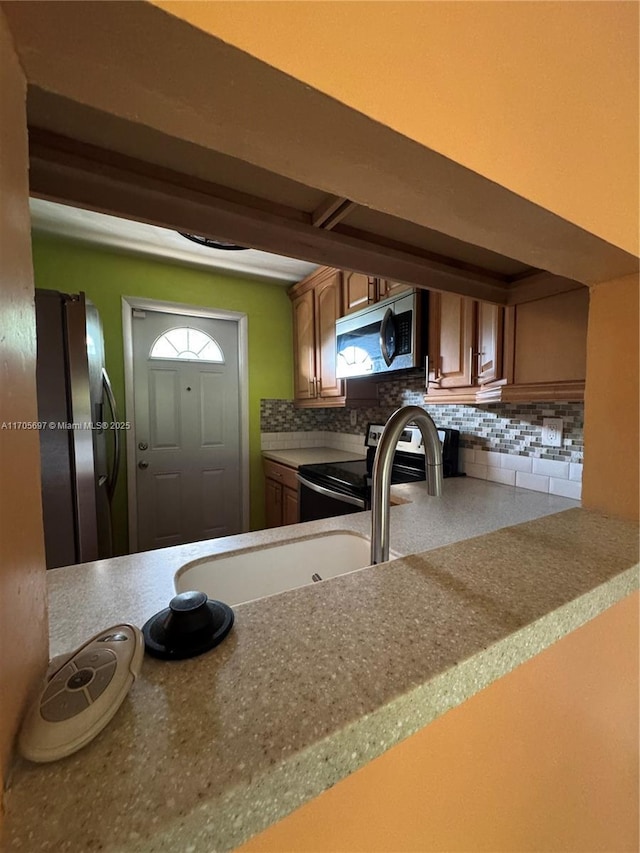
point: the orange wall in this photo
(541, 98)
(612, 463)
(23, 618)
(546, 758)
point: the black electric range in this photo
(337, 488)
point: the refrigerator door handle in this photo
(115, 467)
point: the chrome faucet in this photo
(382, 463)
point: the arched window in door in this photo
(188, 344)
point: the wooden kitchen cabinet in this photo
(388, 288)
(304, 353)
(281, 494)
(451, 319)
(465, 343)
(316, 305)
(546, 348)
(531, 351)
(290, 506)
(273, 503)
(489, 343)
(327, 295)
(359, 290)
(550, 338)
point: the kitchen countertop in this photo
(295, 457)
(312, 683)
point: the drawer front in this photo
(281, 473)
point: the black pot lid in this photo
(191, 625)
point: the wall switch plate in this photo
(552, 432)
(353, 417)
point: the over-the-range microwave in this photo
(390, 335)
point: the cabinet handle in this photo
(478, 356)
(471, 374)
(371, 281)
(437, 368)
(310, 381)
(319, 381)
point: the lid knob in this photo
(191, 625)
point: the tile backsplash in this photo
(499, 441)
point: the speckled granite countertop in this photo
(312, 683)
(295, 457)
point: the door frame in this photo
(131, 303)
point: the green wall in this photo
(106, 276)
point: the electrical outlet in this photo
(353, 417)
(552, 432)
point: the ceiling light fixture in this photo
(213, 244)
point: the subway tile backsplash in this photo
(499, 441)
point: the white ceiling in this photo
(139, 238)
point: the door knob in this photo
(142, 465)
(142, 445)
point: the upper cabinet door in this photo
(359, 290)
(488, 356)
(551, 338)
(327, 310)
(451, 323)
(304, 346)
(388, 288)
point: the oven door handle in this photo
(338, 496)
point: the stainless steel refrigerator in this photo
(79, 455)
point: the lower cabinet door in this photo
(290, 506)
(273, 503)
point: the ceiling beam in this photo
(332, 210)
(86, 176)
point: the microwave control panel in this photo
(403, 333)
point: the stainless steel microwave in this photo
(390, 335)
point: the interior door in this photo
(187, 421)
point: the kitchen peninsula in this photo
(315, 682)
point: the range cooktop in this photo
(354, 477)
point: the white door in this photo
(187, 428)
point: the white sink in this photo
(258, 572)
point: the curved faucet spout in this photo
(382, 465)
